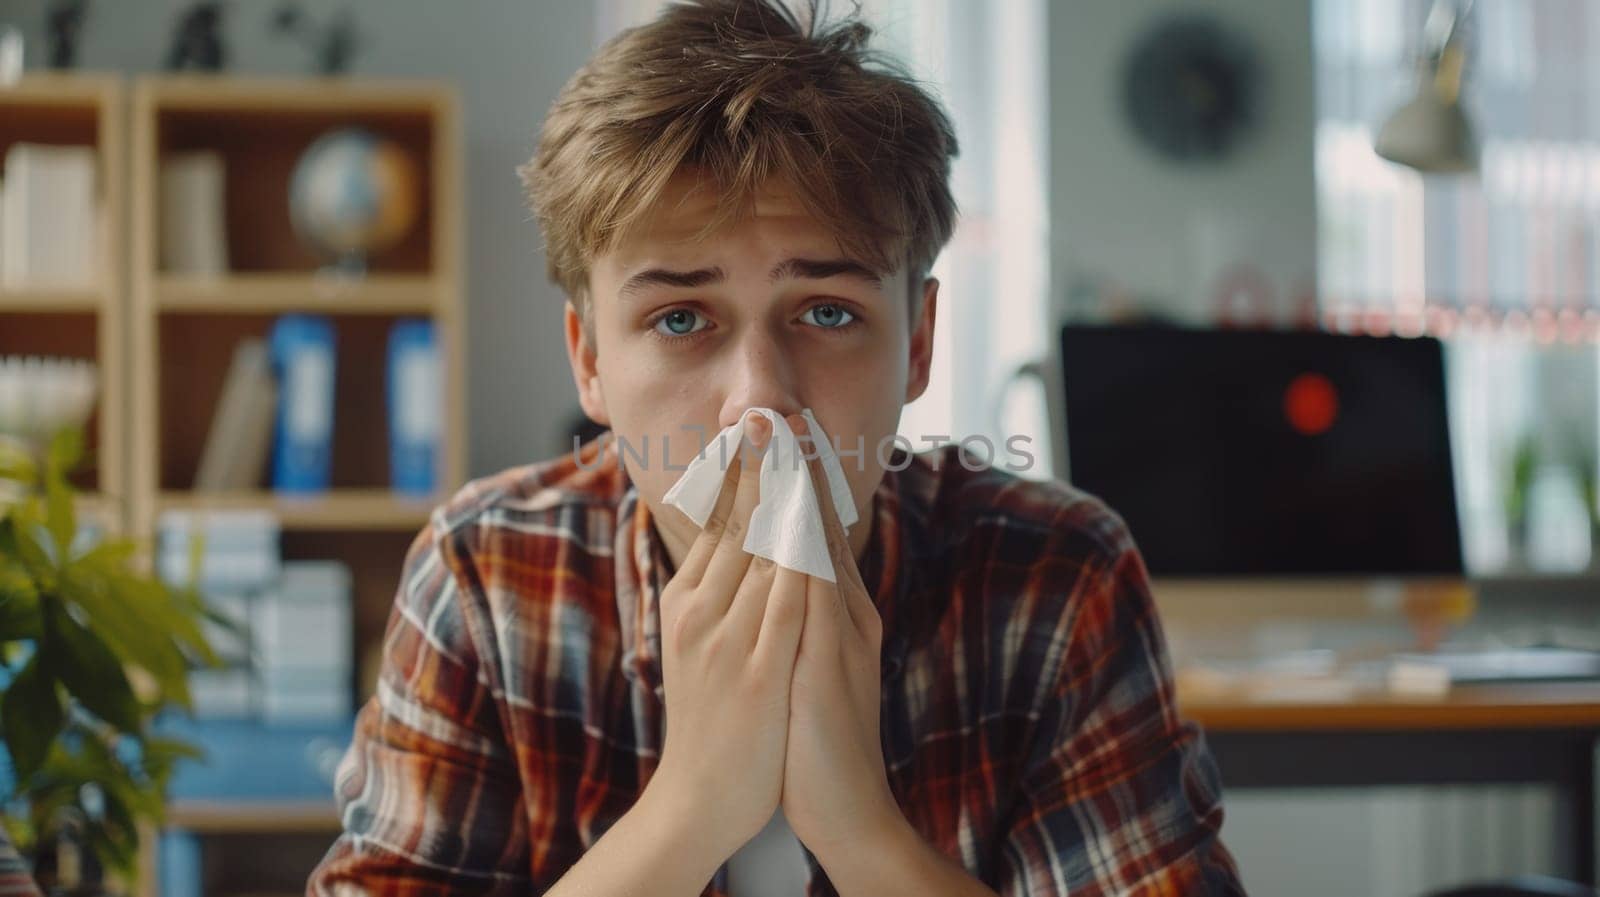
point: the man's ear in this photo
(585, 373)
(921, 360)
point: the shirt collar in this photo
(643, 569)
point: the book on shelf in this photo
(240, 438)
(193, 214)
(48, 216)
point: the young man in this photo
(585, 693)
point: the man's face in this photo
(769, 312)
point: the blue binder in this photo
(182, 865)
(303, 358)
(415, 397)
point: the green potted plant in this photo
(92, 650)
(1524, 468)
(1587, 469)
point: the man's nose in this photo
(759, 374)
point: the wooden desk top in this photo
(1534, 705)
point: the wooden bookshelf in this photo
(184, 330)
(86, 321)
(254, 819)
(52, 299)
(254, 816)
(342, 509)
(257, 292)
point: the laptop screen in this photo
(1253, 452)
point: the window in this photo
(1504, 265)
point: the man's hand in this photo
(835, 789)
(836, 794)
(730, 627)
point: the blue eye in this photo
(829, 317)
(678, 322)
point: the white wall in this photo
(509, 58)
(1122, 215)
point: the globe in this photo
(353, 193)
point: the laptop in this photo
(1238, 453)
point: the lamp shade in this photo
(1430, 134)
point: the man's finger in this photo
(729, 560)
(844, 561)
(852, 591)
(825, 618)
(694, 563)
(750, 600)
(783, 623)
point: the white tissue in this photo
(786, 526)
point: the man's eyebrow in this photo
(792, 268)
(663, 277)
(821, 269)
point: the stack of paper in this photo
(233, 559)
(304, 644)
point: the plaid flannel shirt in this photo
(1029, 726)
(15, 879)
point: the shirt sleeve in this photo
(1118, 795)
(15, 880)
(428, 794)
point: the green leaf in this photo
(192, 607)
(101, 764)
(64, 454)
(60, 517)
(20, 830)
(18, 539)
(87, 756)
(16, 462)
(169, 749)
(116, 842)
(91, 672)
(197, 558)
(134, 638)
(177, 613)
(31, 716)
(111, 555)
(19, 603)
(162, 754)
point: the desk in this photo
(1544, 733)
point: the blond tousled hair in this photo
(744, 91)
